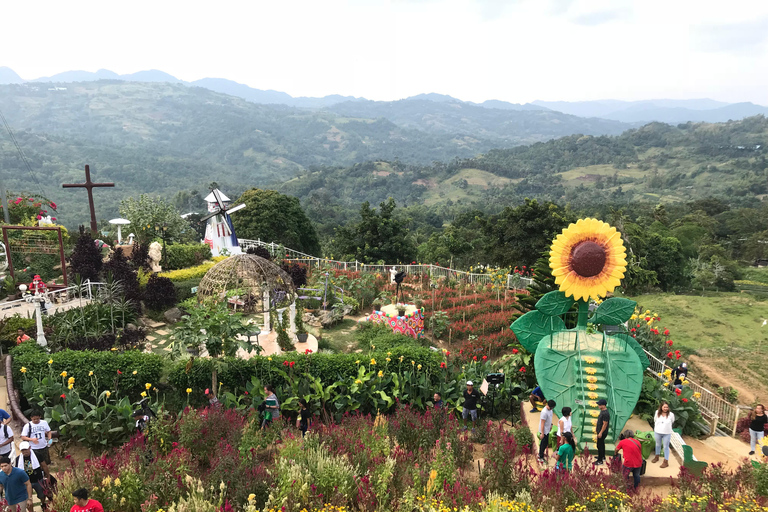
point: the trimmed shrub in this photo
(104, 365)
(184, 288)
(197, 272)
(329, 367)
(160, 293)
(259, 251)
(179, 256)
(122, 272)
(86, 260)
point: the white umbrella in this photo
(119, 223)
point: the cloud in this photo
(736, 38)
(598, 17)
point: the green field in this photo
(720, 320)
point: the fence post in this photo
(735, 422)
(90, 296)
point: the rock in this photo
(130, 327)
(330, 317)
(310, 319)
(173, 315)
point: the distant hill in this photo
(517, 126)
(665, 111)
(163, 137)
(9, 76)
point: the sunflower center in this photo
(588, 259)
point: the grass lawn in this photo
(341, 336)
(720, 320)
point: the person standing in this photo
(545, 427)
(38, 433)
(564, 425)
(633, 455)
(437, 401)
(566, 452)
(603, 420)
(757, 423)
(663, 420)
(35, 470)
(272, 406)
(469, 409)
(6, 441)
(302, 422)
(21, 336)
(83, 504)
(15, 483)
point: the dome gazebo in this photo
(253, 283)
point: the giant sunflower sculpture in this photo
(588, 259)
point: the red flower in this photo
(632, 330)
(17, 201)
(53, 205)
(523, 266)
(63, 395)
(647, 318)
(679, 356)
(685, 399)
(442, 365)
(31, 199)
(461, 351)
(515, 351)
(474, 358)
(207, 391)
(174, 444)
(285, 363)
(39, 217)
(292, 363)
(246, 392)
(669, 342)
(670, 354)
(485, 357)
(447, 353)
(53, 218)
(522, 369)
(413, 263)
(666, 332)
(678, 392)
(308, 351)
(119, 372)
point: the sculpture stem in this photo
(583, 312)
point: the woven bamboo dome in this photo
(246, 277)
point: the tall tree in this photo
(275, 217)
(378, 236)
(149, 215)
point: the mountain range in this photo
(630, 112)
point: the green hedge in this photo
(329, 367)
(9, 326)
(185, 255)
(184, 288)
(77, 364)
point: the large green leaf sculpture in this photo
(576, 368)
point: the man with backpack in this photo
(36, 470)
(38, 433)
(6, 441)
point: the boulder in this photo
(330, 317)
(173, 315)
(310, 319)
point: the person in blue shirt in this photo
(5, 418)
(15, 483)
(537, 395)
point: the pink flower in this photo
(53, 205)
(17, 201)
(246, 392)
(53, 218)
(39, 217)
(207, 391)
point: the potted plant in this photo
(377, 304)
(401, 310)
(419, 304)
(301, 330)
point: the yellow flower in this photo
(697, 395)
(147, 385)
(590, 360)
(591, 387)
(70, 386)
(373, 347)
(659, 374)
(389, 353)
(588, 259)
(593, 396)
(666, 383)
(189, 390)
(381, 373)
(107, 394)
(90, 374)
(71, 380)
(418, 367)
(23, 369)
(117, 482)
(357, 362)
(594, 414)
(358, 381)
(113, 349)
(63, 374)
(373, 362)
(592, 379)
(633, 317)
(647, 311)
(591, 370)
(388, 359)
(269, 359)
(413, 363)
(135, 372)
(50, 361)
(251, 497)
(107, 481)
(144, 394)
(401, 358)
(685, 382)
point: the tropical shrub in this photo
(86, 260)
(179, 256)
(184, 288)
(160, 293)
(186, 274)
(10, 325)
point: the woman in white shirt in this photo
(564, 425)
(663, 420)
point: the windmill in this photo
(219, 233)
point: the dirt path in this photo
(745, 380)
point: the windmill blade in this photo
(235, 208)
(213, 214)
(219, 201)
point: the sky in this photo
(515, 50)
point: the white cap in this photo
(24, 445)
(685, 365)
(469, 383)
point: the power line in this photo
(21, 153)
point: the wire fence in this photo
(513, 281)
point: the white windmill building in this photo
(219, 233)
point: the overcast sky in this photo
(515, 50)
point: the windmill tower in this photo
(219, 233)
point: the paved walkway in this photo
(26, 309)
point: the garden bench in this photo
(685, 452)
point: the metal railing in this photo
(712, 407)
(514, 281)
(85, 291)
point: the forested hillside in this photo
(162, 137)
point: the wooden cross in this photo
(89, 185)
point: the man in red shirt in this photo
(83, 504)
(633, 455)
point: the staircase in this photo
(591, 379)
